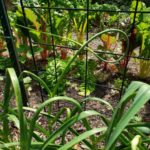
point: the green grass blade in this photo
(5, 107)
(67, 124)
(41, 107)
(37, 137)
(101, 101)
(129, 94)
(11, 76)
(59, 121)
(36, 78)
(34, 145)
(135, 85)
(57, 116)
(81, 137)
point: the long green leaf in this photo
(11, 76)
(130, 92)
(143, 95)
(35, 77)
(34, 145)
(67, 124)
(97, 99)
(51, 117)
(41, 107)
(81, 137)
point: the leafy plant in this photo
(35, 19)
(51, 74)
(25, 53)
(122, 128)
(26, 134)
(103, 20)
(110, 45)
(116, 133)
(82, 48)
(142, 37)
(120, 3)
(4, 63)
(91, 79)
(118, 83)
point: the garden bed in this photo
(34, 95)
(80, 90)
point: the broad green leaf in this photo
(30, 16)
(144, 129)
(140, 7)
(146, 16)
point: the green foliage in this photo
(118, 83)
(140, 7)
(81, 49)
(5, 63)
(142, 36)
(32, 18)
(122, 128)
(28, 126)
(142, 24)
(104, 19)
(119, 3)
(29, 139)
(51, 74)
(25, 53)
(91, 79)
